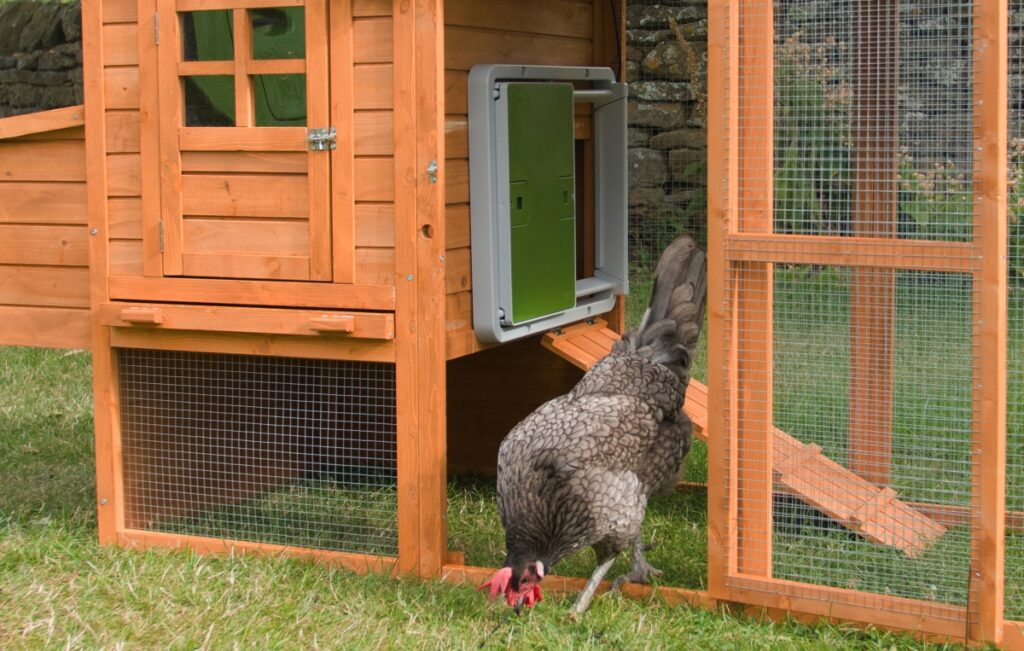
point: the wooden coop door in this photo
(245, 139)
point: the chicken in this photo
(579, 470)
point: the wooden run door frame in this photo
(739, 530)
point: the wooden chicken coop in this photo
(260, 223)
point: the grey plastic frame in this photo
(489, 207)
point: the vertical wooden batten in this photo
(875, 134)
(723, 29)
(343, 202)
(149, 138)
(990, 330)
(104, 389)
(420, 284)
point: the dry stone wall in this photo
(40, 56)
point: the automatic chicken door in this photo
(548, 196)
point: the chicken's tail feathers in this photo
(671, 325)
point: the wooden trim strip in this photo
(883, 253)
(276, 66)
(201, 68)
(474, 576)
(254, 292)
(208, 5)
(242, 139)
(897, 613)
(215, 318)
(42, 122)
(244, 343)
(136, 539)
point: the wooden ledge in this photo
(42, 121)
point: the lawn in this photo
(60, 589)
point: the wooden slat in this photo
(289, 238)
(42, 203)
(988, 536)
(244, 162)
(375, 225)
(276, 66)
(370, 8)
(123, 132)
(458, 271)
(376, 86)
(148, 130)
(119, 11)
(242, 139)
(242, 343)
(212, 318)
(372, 40)
(42, 121)
(457, 181)
(456, 136)
(121, 88)
(125, 218)
(550, 17)
(374, 133)
(465, 47)
(205, 5)
(245, 195)
(44, 245)
(457, 226)
(121, 45)
(375, 266)
(238, 265)
(56, 160)
(242, 292)
(124, 175)
(867, 252)
(46, 327)
(192, 68)
(375, 179)
(169, 105)
(44, 286)
(126, 258)
(245, 113)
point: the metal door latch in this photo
(432, 171)
(322, 139)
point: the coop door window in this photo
(243, 194)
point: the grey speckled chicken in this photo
(579, 470)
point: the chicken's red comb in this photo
(498, 582)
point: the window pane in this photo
(207, 36)
(278, 33)
(280, 100)
(209, 101)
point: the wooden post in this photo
(990, 236)
(420, 284)
(874, 209)
(104, 390)
(723, 157)
(750, 354)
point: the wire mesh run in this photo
(294, 452)
(872, 117)
(1014, 596)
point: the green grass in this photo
(59, 588)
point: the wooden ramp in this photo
(801, 470)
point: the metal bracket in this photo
(322, 139)
(432, 171)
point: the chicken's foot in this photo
(642, 570)
(587, 595)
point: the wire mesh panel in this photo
(294, 452)
(1014, 601)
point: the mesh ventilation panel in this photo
(293, 452)
(1014, 601)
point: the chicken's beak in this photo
(518, 607)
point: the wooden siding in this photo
(44, 258)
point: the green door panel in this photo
(542, 195)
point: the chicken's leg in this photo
(642, 570)
(587, 595)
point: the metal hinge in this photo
(156, 29)
(161, 237)
(322, 139)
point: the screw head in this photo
(103, 501)
(93, 231)
(409, 277)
